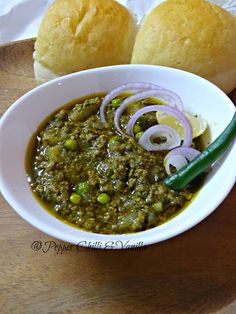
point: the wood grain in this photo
(192, 273)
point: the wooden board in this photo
(192, 273)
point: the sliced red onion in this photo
(128, 87)
(176, 161)
(172, 138)
(188, 152)
(179, 157)
(169, 97)
(166, 109)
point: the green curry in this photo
(86, 174)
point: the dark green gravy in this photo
(90, 177)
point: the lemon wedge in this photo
(199, 125)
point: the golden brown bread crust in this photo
(81, 34)
(191, 35)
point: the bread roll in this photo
(192, 35)
(80, 34)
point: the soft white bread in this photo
(42, 73)
(192, 35)
(80, 34)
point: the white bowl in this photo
(23, 117)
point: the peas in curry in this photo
(88, 174)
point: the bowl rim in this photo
(209, 208)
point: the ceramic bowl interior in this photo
(23, 117)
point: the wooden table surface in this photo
(192, 273)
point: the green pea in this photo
(138, 135)
(75, 198)
(137, 129)
(103, 198)
(70, 144)
(116, 102)
(82, 188)
(114, 140)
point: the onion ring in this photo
(164, 95)
(128, 87)
(172, 138)
(179, 158)
(166, 109)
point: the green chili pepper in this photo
(204, 160)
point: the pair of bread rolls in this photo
(193, 35)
